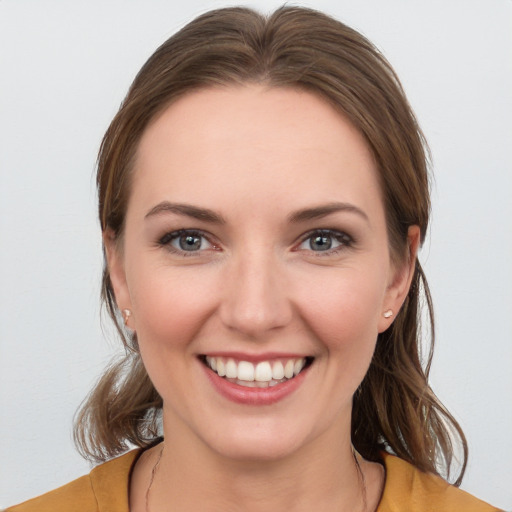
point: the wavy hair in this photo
(394, 409)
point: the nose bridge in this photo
(255, 299)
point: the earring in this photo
(388, 313)
(126, 315)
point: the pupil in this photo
(190, 242)
(321, 243)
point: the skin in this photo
(256, 156)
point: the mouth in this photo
(263, 374)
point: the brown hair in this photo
(394, 409)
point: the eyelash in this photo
(168, 238)
(345, 241)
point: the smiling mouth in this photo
(263, 374)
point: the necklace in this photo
(361, 478)
(153, 473)
(360, 474)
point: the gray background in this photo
(64, 69)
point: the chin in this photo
(270, 438)
(255, 449)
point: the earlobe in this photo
(115, 263)
(401, 281)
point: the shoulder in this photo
(407, 488)
(104, 489)
(77, 493)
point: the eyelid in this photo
(167, 239)
(345, 240)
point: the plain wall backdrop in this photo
(64, 69)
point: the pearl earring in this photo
(388, 313)
(126, 315)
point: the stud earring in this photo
(388, 313)
(126, 315)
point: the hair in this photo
(394, 409)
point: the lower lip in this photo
(254, 396)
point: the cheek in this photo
(344, 309)
(171, 305)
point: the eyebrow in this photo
(208, 215)
(187, 210)
(323, 210)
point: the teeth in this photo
(288, 368)
(264, 374)
(246, 383)
(277, 370)
(221, 368)
(297, 367)
(256, 384)
(231, 369)
(245, 371)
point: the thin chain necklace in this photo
(362, 479)
(153, 473)
(354, 454)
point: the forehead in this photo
(286, 144)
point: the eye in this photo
(325, 240)
(186, 240)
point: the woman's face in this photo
(255, 242)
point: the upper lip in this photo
(256, 358)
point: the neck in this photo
(322, 475)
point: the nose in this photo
(255, 299)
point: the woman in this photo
(263, 194)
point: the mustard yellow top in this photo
(105, 489)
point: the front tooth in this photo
(288, 369)
(245, 371)
(221, 368)
(213, 363)
(231, 369)
(277, 370)
(299, 364)
(263, 372)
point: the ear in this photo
(401, 279)
(115, 263)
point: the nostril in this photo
(253, 319)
